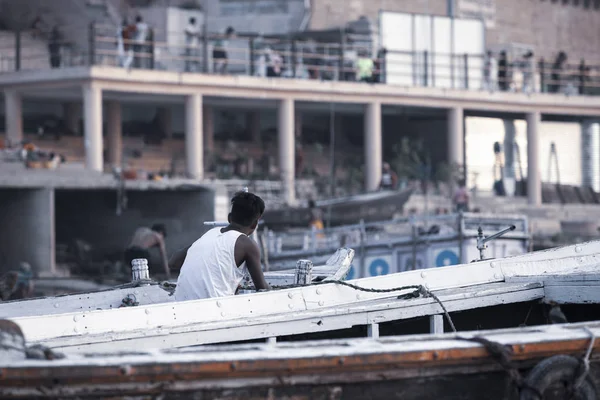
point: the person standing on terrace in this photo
(220, 57)
(192, 34)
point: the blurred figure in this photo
(124, 36)
(17, 285)
(220, 59)
(503, 72)
(316, 219)
(143, 240)
(139, 39)
(54, 48)
(192, 34)
(379, 66)
(490, 71)
(557, 69)
(274, 66)
(461, 197)
(365, 66)
(528, 68)
(389, 179)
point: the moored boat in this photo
(499, 293)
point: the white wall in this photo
(481, 133)
(408, 36)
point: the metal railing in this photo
(351, 59)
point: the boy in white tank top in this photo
(215, 264)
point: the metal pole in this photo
(92, 44)
(466, 57)
(252, 55)
(17, 50)
(205, 47)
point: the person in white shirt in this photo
(192, 34)
(139, 39)
(215, 264)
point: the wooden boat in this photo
(147, 292)
(498, 293)
(369, 207)
(495, 364)
(402, 244)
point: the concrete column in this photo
(590, 154)
(509, 148)
(287, 149)
(193, 136)
(208, 126)
(14, 117)
(534, 182)
(456, 137)
(253, 124)
(114, 134)
(372, 146)
(71, 116)
(165, 119)
(92, 115)
(298, 124)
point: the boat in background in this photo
(402, 244)
(369, 207)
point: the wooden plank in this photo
(219, 311)
(333, 318)
(572, 294)
(314, 363)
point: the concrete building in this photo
(98, 92)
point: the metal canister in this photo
(303, 272)
(139, 269)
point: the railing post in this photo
(252, 56)
(17, 50)
(341, 55)
(466, 61)
(542, 76)
(151, 48)
(425, 67)
(205, 47)
(92, 44)
(294, 58)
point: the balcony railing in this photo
(351, 59)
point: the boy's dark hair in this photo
(246, 208)
(138, 18)
(160, 228)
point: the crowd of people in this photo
(525, 74)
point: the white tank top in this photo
(209, 269)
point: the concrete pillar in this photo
(590, 154)
(534, 182)
(253, 124)
(14, 117)
(193, 136)
(208, 126)
(114, 135)
(92, 110)
(165, 120)
(456, 137)
(287, 149)
(298, 125)
(509, 148)
(372, 146)
(71, 116)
